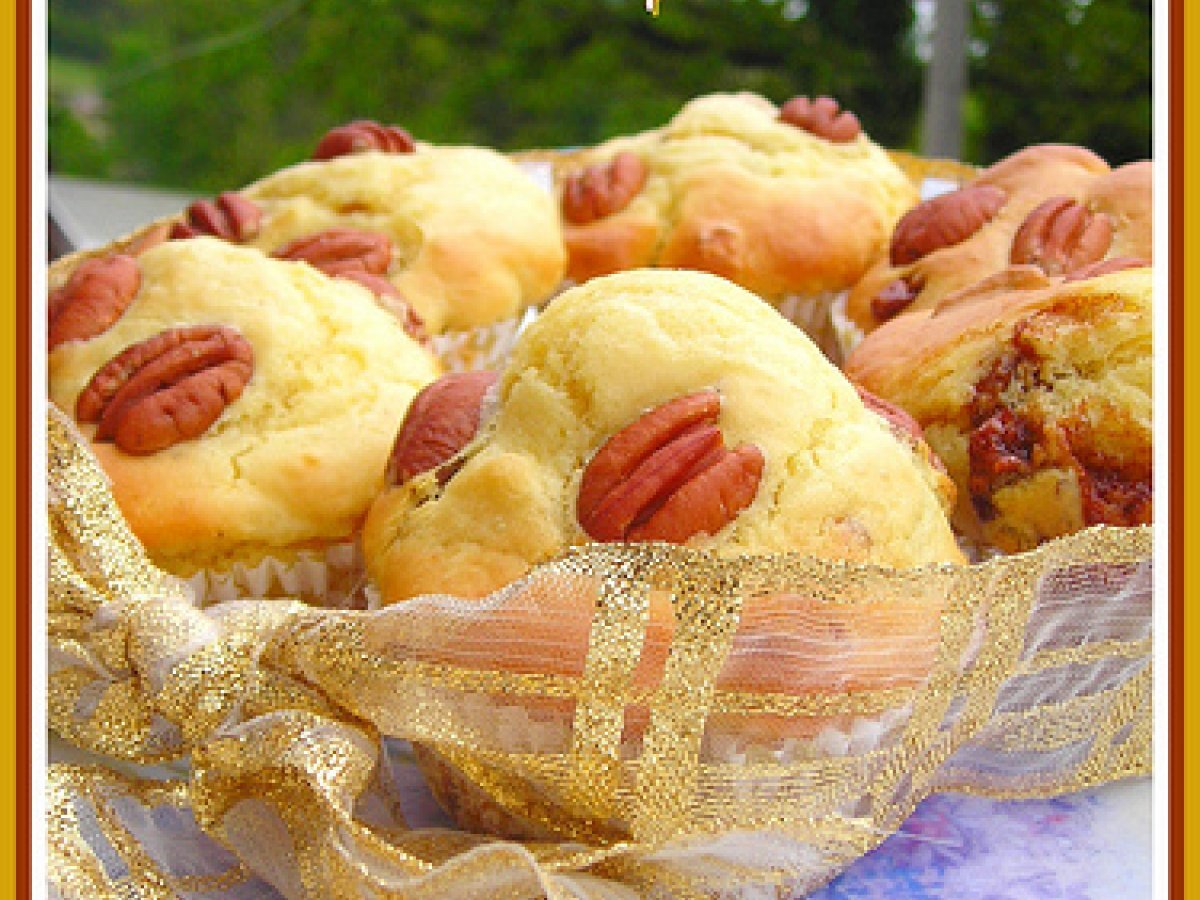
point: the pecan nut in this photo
(823, 117)
(668, 476)
(440, 421)
(392, 300)
(944, 221)
(1061, 235)
(94, 297)
(230, 217)
(341, 252)
(148, 239)
(604, 189)
(895, 297)
(166, 389)
(899, 421)
(1107, 267)
(903, 426)
(362, 135)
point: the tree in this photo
(205, 94)
(208, 93)
(1073, 71)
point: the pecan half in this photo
(166, 389)
(823, 117)
(440, 421)
(148, 239)
(603, 189)
(393, 301)
(230, 217)
(903, 426)
(668, 476)
(895, 297)
(1061, 235)
(944, 221)
(340, 252)
(94, 297)
(362, 135)
(901, 423)
(1107, 267)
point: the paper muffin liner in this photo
(846, 333)
(333, 577)
(931, 174)
(486, 347)
(813, 314)
(519, 730)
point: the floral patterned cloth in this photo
(1094, 845)
(1087, 846)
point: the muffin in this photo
(1059, 194)
(793, 203)
(1036, 393)
(461, 235)
(739, 438)
(242, 406)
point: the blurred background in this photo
(202, 95)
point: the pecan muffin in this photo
(740, 437)
(459, 235)
(1036, 392)
(793, 203)
(1058, 207)
(243, 407)
(785, 645)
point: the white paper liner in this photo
(812, 314)
(518, 730)
(334, 577)
(487, 347)
(934, 187)
(846, 332)
(540, 172)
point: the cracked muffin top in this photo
(241, 405)
(791, 201)
(1036, 392)
(1055, 206)
(651, 405)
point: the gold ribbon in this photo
(281, 708)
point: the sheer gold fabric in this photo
(1023, 676)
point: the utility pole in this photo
(946, 82)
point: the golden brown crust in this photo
(578, 376)
(779, 242)
(618, 243)
(1126, 196)
(475, 239)
(274, 471)
(1027, 178)
(1036, 393)
(735, 191)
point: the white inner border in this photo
(1161, 788)
(37, 464)
(1162, 486)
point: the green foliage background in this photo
(205, 94)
